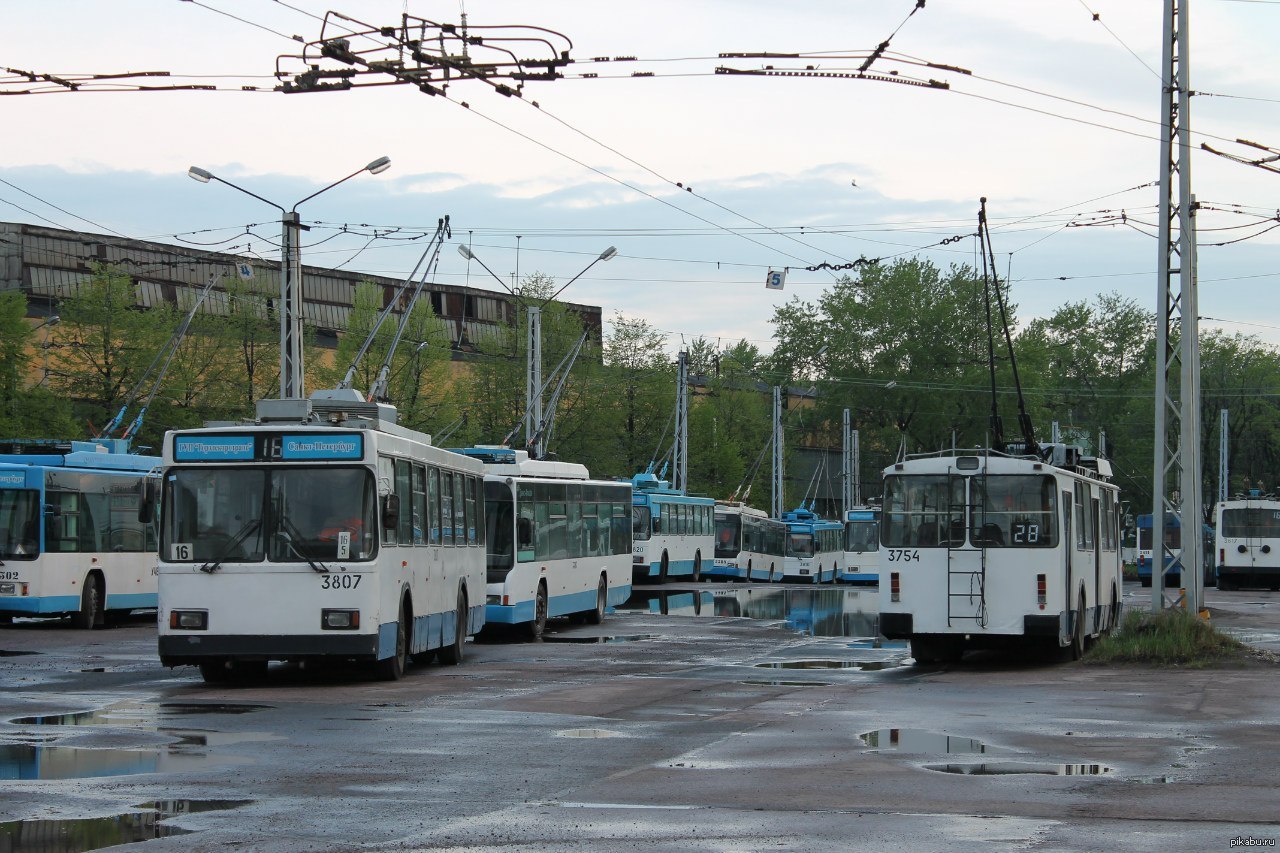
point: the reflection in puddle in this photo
(1250, 636)
(588, 733)
(790, 683)
(4, 653)
(918, 740)
(83, 834)
(1013, 768)
(134, 714)
(863, 665)
(829, 612)
(30, 761)
(632, 638)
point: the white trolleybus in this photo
(749, 544)
(861, 545)
(1247, 546)
(559, 543)
(73, 539)
(815, 548)
(985, 550)
(322, 531)
(672, 532)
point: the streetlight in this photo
(290, 273)
(533, 375)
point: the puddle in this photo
(589, 733)
(134, 714)
(790, 683)
(1251, 636)
(862, 665)
(824, 612)
(632, 638)
(75, 835)
(5, 653)
(918, 740)
(1014, 769)
(30, 762)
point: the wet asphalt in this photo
(672, 727)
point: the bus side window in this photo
(419, 505)
(404, 529)
(446, 507)
(459, 510)
(433, 505)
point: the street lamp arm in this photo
(471, 256)
(198, 174)
(376, 167)
(607, 254)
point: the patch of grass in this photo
(1168, 638)
(1130, 571)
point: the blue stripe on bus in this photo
(558, 605)
(132, 601)
(34, 604)
(674, 567)
(432, 631)
(859, 576)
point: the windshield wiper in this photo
(289, 534)
(236, 541)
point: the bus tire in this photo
(1225, 585)
(215, 671)
(1075, 650)
(90, 615)
(6, 619)
(595, 617)
(451, 655)
(392, 668)
(772, 572)
(697, 566)
(538, 626)
(662, 569)
(1145, 581)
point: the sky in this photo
(1056, 123)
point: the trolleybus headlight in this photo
(8, 589)
(340, 620)
(189, 620)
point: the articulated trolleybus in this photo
(559, 542)
(322, 530)
(749, 543)
(815, 547)
(984, 550)
(671, 531)
(73, 539)
(861, 545)
(1247, 530)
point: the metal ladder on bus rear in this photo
(966, 582)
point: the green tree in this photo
(26, 411)
(105, 344)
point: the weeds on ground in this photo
(1168, 638)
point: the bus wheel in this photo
(1225, 585)
(595, 617)
(215, 671)
(451, 655)
(1075, 651)
(697, 567)
(392, 668)
(90, 615)
(662, 569)
(771, 573)
(539, 623)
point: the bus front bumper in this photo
(182, 649)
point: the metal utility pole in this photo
(857, 469)
(846, 464)
(1223, 474)
(778, 475)
(1176, 481)
(533, 381)
(680, 454)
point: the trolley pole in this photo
(778, 475)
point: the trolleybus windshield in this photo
(19, 524)
(321, 513)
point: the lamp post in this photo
(291, 372)
(533, 372)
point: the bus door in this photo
(966, 567)
(1098, 538)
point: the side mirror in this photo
(53, 510)
(524, 532)
(657, 524)
(146, 500)
(390, 512)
